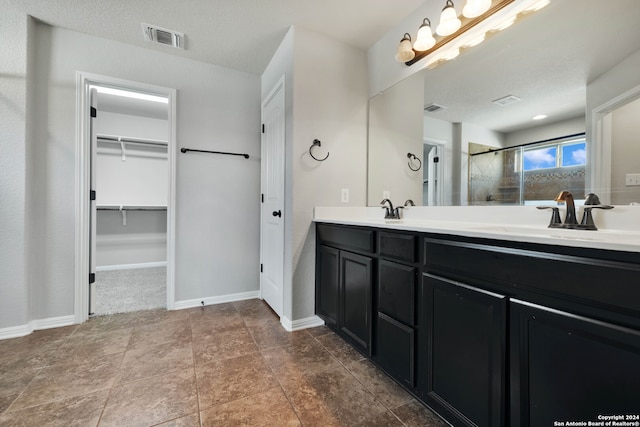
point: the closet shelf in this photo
(131, 207)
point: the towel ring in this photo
(318, 143)
(413, 156)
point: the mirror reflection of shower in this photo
(529, 174)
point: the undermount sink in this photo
(562, 233)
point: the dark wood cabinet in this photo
(488, 332)
(396, 291)
(395, 331)
(566, 367)
(396, 350)
(356, 283)
(327, 284)
(344, 283)
(465, 352)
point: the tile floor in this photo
(222, 365)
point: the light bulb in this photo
(449, 22)
(424, 39)
(475, 8)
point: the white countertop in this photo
(510, 223)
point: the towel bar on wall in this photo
(185, 150)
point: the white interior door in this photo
(433, 173)
(93, 101)
(272, 212)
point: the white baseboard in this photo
(199, 302)
(35, 325)
(298, 325)
(131, 266)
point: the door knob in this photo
(277, 213)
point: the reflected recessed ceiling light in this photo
(134, 95)
(540, 117)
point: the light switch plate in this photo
(345, 195)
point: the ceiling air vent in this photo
(163, 36)
(506, 100)
(432, 108)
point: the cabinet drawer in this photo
(396, 291)
(396, 349)
(351, 238)
(605, 284)
(398, 246)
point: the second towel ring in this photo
(413, 156)
(318, 143)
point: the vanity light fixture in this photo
(449, 22)
(424, 39)
(464, 31)
(475, 8)
(405, 52)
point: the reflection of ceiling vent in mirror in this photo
(163, 36)
(506, 100)
(432, 108)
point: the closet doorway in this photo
(131, 174)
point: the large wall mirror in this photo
(469, 122)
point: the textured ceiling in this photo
(546, 59)
(239, 34)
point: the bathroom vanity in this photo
(485, 328)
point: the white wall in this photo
(396, 129)
(625, 152)
(130, 125)
(217, 196)
(620, 79)
(142, 240)
(326, 96)
(14, 163)
(330, 103)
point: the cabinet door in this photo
(327, 285)
(396, 291)
(466, 339)
(356, 284)
(570, 368)
(396, 349)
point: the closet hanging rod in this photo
(185, 150)
(130, 140)
(131, 208)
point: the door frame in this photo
(439, 199)
(277, 87)
(599, 148)
(82, 185)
